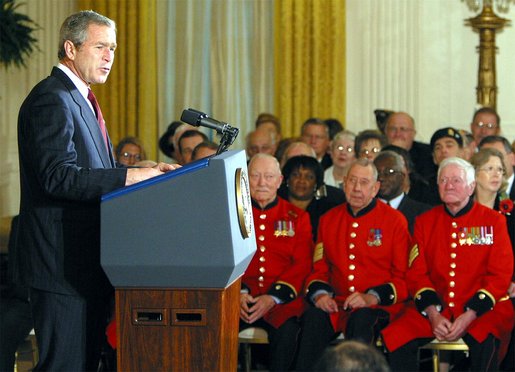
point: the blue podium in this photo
(174, 248)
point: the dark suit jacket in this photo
(64, 170)
(411, 209)
(422, 158)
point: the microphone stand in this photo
(228, 136)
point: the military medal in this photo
(375, 238)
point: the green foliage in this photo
(16, 40)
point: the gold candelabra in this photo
(487, 23)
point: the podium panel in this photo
(178, 330)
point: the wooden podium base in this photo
(178, 329)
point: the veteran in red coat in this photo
(460, 270)
(357, 285)
(276, 275)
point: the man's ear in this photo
(472, 188)
(70, 49)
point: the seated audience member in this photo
(166, 143)
(187, 142)
(357, 284)
(469, 145)
(393, 175)
(400, 131)
(342, 155)
(445, 143)
(352, 356)
(276, 273)
(381, 118)
(332, 194)
(295, 149)
(503, 146)
(304, 176)
(203, 150)
(485, 122)
(368, 143)
(283, 146)
(418, 187)
(271, 123)
(315, 132)
(129, 151)
(491, 192)
(460, 268)
(335, 126)
(260, 141)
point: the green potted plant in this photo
(16, 30)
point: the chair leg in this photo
(436, 361)
(247, 357)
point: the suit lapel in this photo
(90, 121)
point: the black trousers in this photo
(282, 340)
(483, 356)
(70, 330)
(15, 325)
(317, 332)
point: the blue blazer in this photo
(64, 170)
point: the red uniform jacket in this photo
(458, 262)
(283, 258)
(358, 253)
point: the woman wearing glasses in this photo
(491, 192)
(342, 154)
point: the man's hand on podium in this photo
(135, 175)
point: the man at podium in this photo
(276, 274)
(66, 165)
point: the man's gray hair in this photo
(75, 28)
(266, 156)
(365, 162)
(470, 173)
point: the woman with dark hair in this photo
(303, 176)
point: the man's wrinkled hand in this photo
(326, 303)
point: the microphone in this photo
(200, 119)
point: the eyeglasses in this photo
(491, 170)
(486, 125)
(455, 181)
(388, 172)
(342, 148)
(373, 150)
(127, 155)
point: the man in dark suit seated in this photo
(400, 131)
(393, 175)
(66, 165)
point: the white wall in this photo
(419, 56)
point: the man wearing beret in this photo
(460, 267)
(445, 143)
